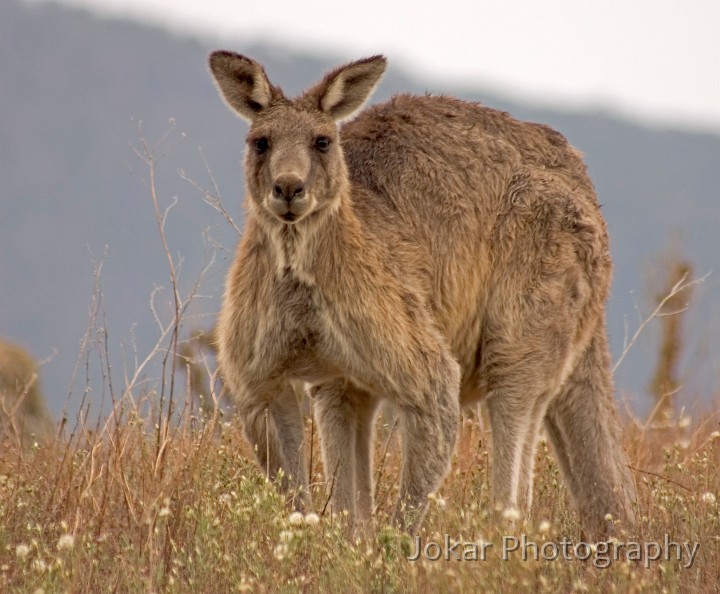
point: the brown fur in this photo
(23, 412)
(438, 252)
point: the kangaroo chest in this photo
(289, 337)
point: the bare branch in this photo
(680, 286)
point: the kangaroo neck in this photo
(317, 246)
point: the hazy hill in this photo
(74, 89)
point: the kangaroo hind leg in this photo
(584, 430)
(345, 417)
(274, 427)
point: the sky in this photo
(655, 60)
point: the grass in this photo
(119, 511)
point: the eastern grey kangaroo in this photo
(23, 411)
(430, 251)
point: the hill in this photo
(78, 93)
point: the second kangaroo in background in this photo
(430, 251)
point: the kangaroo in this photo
(430, 251)
(23, 411)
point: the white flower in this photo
(39, 565)
(280, 551)
(295, 518)
(165, 510)
(286, 535)
(22, 551)
(511, 514)
(312, 519)
(437, 499)
(66, 542)
(708, 498)
(544, 527)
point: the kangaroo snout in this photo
(288, 187)
(288, 198)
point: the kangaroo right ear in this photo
(343, 91)
(242, 82)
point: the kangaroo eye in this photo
(261, 145)
(322, 143)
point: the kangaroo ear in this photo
(242, 82)
(346, 88)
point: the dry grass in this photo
(119, 511)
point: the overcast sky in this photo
(658, 60)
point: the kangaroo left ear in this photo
(343, 91)
(242, 82)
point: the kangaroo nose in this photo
(288, 187)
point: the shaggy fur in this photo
(432, 252)
(23, 412)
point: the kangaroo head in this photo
(294, 164)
